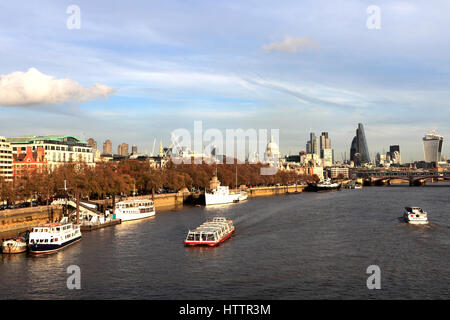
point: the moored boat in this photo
(16, 245)
(211, 233)
(415, 215)
(134, 209)
(326, 185)
(221, 194)
(52, 237)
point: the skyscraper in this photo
(92, 143)
(122, 149)
(326, 153)
(134, 150)
(312, 146)
(359, 152)
(432, 147)
(107, 147)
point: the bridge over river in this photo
(414, 178)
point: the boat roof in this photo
(49, 225)
(135, 200)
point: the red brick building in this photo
(28, 160)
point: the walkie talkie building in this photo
(432, 147)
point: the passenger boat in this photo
(415, 215)
(134, 209)
(52, 237)
(326, 185)
(211, 233)
(16, 245)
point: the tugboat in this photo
(16, 245)
(415, 215)
(211, 233)
(327, 185)
(52, 237)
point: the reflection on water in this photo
(311, 245)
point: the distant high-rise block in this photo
(134, 149)
(92, 143)
(325, 141)
(432, 147)
(359, 152)
(107, 147)
(312, 146)
(122, 149)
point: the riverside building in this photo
(57, 149)
(6, 160)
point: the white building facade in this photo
(6, 160)
(58, 149)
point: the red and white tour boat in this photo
(210, 233)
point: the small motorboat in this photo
(16, 245)
(415, 215)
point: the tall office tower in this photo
(92, 143)
(107, 147)
(326, 153)
(312, 146)
(359, 152)
(122, 149)
(134, 149)
(432, 147)
(325, 142)
(6, 160)
(394, 148)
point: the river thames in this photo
(298, 246)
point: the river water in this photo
(298, 246)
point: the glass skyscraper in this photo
(359, 152)
(432, 147)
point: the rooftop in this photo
(70, 140)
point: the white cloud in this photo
(35, 88)
(292, 45)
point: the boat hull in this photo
(10, 247)
(42, 248)
(134, 216)
(319, 188)
(208, 244)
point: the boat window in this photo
(197, 237)
(190, 237)
(46, 240)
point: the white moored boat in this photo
(52, 237)
(415, 215)
(221, 194)
(16, 245)
(134, 209)
(211, 233)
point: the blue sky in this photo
(160, 65)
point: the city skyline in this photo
(257, 75)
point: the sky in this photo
(135, 71)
